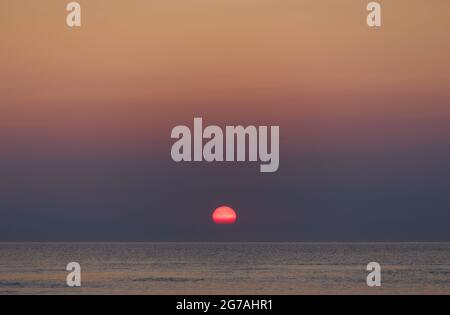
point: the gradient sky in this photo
(86, 116)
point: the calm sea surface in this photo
(224, 268)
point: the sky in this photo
(86, 116)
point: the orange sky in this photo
(86, 116)
(136, 66)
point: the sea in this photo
(225, 268)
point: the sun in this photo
(224, 215)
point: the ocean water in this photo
(225, 268)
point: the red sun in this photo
(224, 215)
